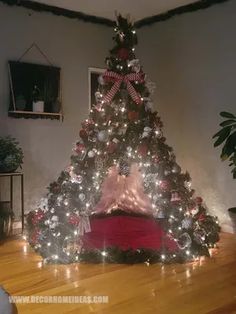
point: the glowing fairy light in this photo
(163, 257)
(104, 253)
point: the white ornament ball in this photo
(98, 96)
(187, 223)
(55, 218)
(147, 129)
(176, 168)
(91, 154)
(53, 225)
(79, 179)
(145, 134)
(103, 136)
(184, 241)
(82, 197)
(155, 198)
(195, 211)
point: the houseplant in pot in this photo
(227, 136)
(11, 154)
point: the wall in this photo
(192, 58)
(70, 44)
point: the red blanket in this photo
(127, 232)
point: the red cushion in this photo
(126, 232)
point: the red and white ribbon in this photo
(127, 79)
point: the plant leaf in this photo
(229, 146)
(227, 122)
(222, 135)
(226, 114)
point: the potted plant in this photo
(11, 154)
(38, 102)
(227, 137)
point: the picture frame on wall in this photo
(35, 90)
(93, 75)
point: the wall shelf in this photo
(35, 115)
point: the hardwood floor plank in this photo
(207, 286)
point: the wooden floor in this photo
(205, 286)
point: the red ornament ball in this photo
(202, 217)
(198, 200)
(74, 220)
(123, 53)
(165, 185)
(111, 148)
(83, 134)
(156, 159)
(39, 214)
(142, 149)
(87, 124)
(79, 148)
(133, 115)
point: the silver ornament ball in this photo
(103, 136)
(176, 168)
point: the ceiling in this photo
(138, 9)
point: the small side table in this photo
(11, 177)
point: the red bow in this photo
(118, 79)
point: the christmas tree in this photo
(123, 198)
